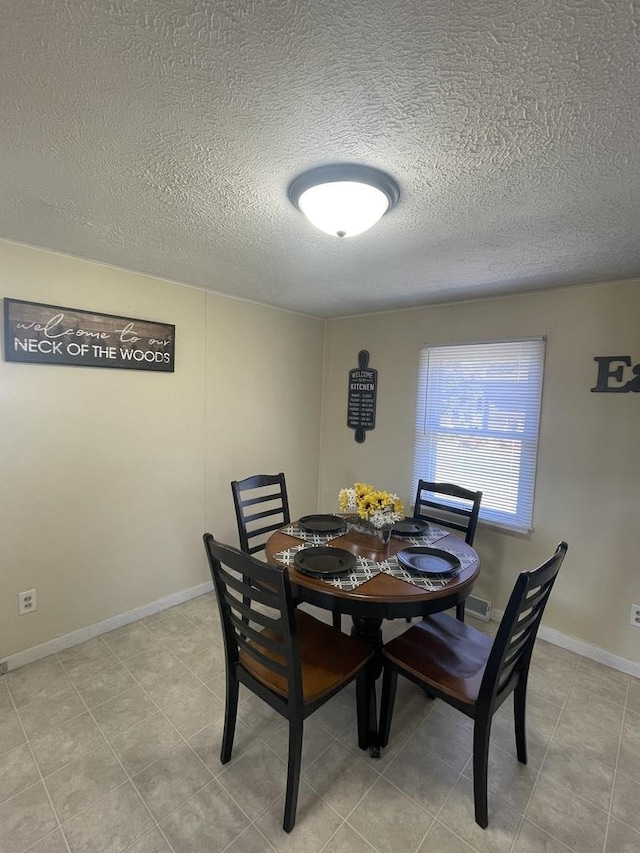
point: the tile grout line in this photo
(615, 770)
(421, 807)
(409, 797)
(156, 822)
(381, 775)
(334, 741)
(129, 777)
(268, 746)
(160, 711)
(42, 782)
(185, 742)
(445, 801)
(252, 823)
(170, 722)
(117, 757)
(88, 710)
(182, 737)
(539, 773)
(345, 820)
(451, 790)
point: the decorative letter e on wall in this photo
(608, 373)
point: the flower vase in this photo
(365, 534)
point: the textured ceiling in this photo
(161, 135)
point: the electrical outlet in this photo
(27, 602)
(635, 615)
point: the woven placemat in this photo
(431, 535)
(367, 569)
(297, 532)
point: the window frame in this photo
(425, 452)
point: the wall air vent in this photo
(478, 607)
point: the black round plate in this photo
(410, 527)
(322, 523)
(432, 562)
(323, 560)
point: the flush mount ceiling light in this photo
(344, 199)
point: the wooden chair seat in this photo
(327, 659)
(445, 653)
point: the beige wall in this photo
(588, 485)
(110, 477)
(263, 398)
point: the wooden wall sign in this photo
(612, 376)
(361, 402)
(49, 334)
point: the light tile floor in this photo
(114, 746)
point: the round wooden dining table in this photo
(381, 597)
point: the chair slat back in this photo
(511, 652)
(268, 493)
(461, 514)
(257, 614)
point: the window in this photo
(477, 420)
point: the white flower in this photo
(384, 518)
(347, 498)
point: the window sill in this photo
(494, 526)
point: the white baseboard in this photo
(59, 644)
(66, 641)
(580, 647)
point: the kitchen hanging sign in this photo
(361, 401)
(49, 334)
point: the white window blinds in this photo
(477, 420)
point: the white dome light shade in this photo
(344, 200)
(343, 208)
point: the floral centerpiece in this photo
(374, 512)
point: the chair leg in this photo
(481, 740)
(519, 716)
(230, 714)
(337, 620)
(460, 611)
(387, 700)
(293, 773)
(363, 704)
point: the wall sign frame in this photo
(362, 394)
(38, 333)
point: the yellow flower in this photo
(366, 504)
(378, 507)
(362, 490)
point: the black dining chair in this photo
(262, 506)
(464, 668)
(259, 500)
(459, 514)
(291, 660)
